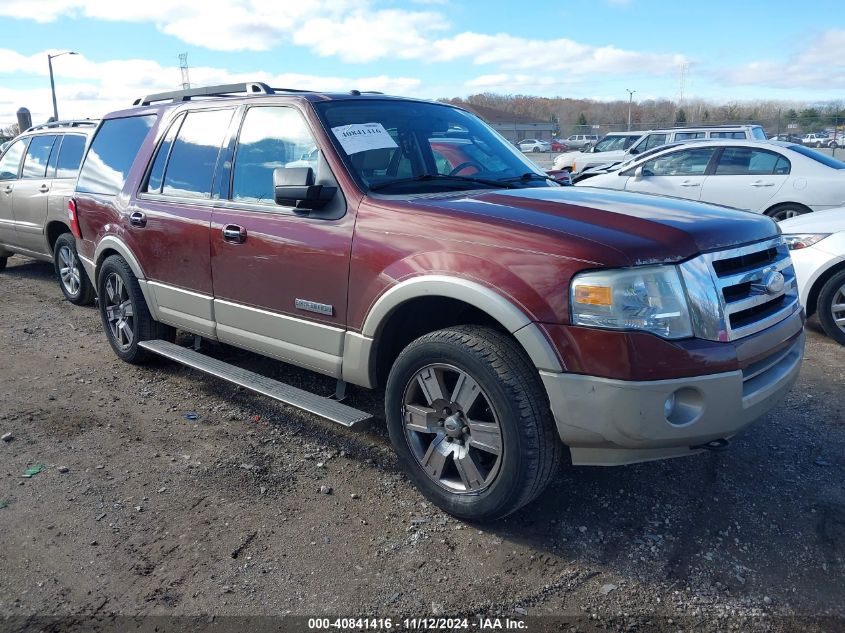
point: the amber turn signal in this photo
(594, 295)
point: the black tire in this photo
(832, 293)
(787, 210)
(530, 447)
(3, 262)
(73, 280)
(535, 150)
(140, 323)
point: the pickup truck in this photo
(403, 245)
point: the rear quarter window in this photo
(70, 156)
(112, 153)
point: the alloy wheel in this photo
(837, 308)
(452, 429)
(785, 214)
(120, 313)
(69, 271)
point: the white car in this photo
(782, 180)
(534, 145)
(611, 148)
(817, 245)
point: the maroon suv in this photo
(402, 244)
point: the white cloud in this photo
(353, 31)
(91, 89)
(818, 66)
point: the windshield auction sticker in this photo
(361, 137)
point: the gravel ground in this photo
(142, 510)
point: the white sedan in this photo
(817, 245)
(535, 145)
(782, 180)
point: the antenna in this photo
(183, 66)
(682, 82)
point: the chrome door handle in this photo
(8, 189)
(760, 183)
(687, 183)
(138, 219)
(234, 234)
(44, 189)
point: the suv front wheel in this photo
(124, 312)
(73, 280)
(470, 422)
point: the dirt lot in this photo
(142, 511)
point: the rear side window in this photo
(824, 159)
(11, 161)
(37, 155)
(190, 168)
(70, 156)
(685, 136)
(733, 135)
(746, 161)
(112, 153)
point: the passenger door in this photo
(680, 174)
(63, 170)
(746, 178)
(280, 275)
(10, 166)
(32, 193)
(168, 228)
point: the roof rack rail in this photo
(68, 123)
(225, 90)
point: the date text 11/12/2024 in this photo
(416, 624)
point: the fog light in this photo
(684, 406)
(669, 406)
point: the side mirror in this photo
(294, 187)
(638, 173)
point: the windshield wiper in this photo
(527, 177)
(427, 177)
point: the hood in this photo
(830, 221)
(618, 228)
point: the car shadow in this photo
(19, 266)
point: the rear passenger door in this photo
(63, 170)
(280, 275)
(31, 195)
(169, 220)
(746, 178)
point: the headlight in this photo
(797, 241)
(649, 298)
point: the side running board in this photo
(305, 400)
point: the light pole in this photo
(630, 103)
(53, 83)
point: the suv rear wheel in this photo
(73, 280)
(124, 312)
(470, 422)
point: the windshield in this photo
(612, 143)
(824, 159)
(409, 147)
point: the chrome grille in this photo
(737, 292)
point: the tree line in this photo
(570, 113)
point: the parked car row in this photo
(396, 243)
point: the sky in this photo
(726, 50)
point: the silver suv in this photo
(37, 175)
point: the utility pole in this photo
(53, 83)
(630, 103)
(183, 66)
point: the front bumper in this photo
(607, 422)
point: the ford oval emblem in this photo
(774, 282)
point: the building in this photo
(513, 127)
